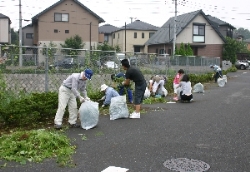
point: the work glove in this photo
(81, 99)
(103, 106)
(103, 98)
(87, 98)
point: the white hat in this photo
(103, 87)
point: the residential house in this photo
(247, 41)
(105, 33)
(194, 28)
(65, 19)
(27, 32)
(5, 31)
(133, 37)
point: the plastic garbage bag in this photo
(198, 88)
(146, 93)
(165, 91)
(221, 82)
(225, 78)
(118, 108)
(89, 114)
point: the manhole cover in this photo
(186, 165)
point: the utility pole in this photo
(20, 35)
(90, 36)
(125, 38)
(175, 18)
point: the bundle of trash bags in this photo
(198, 88)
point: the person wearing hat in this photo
(68, 92)
(109, 94)
(134, 74)
(156, 85)
(218, 72)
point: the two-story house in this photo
(27, 33)
(65, 19)
(105, 33)
(5, 33)
(194, 28)
(133, 37)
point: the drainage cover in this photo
(186, 165)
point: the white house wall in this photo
(4, 31)
(211, 36)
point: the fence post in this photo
(46, 72)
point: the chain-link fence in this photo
(42, 69)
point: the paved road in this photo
(214, 129)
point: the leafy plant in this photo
(74, 42)
(35, 146)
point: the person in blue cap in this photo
(122, 88)
(68, 92)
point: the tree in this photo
(184, 50)
(14, 37)
(74, 42)
(106, 47)
(244, 32)
(231, 48)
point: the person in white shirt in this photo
(186, 89)
(156, 86)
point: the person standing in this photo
(218, 72)
(68, 92)
(135, 75)
(176, 82)
(109, 94)
(121, 88)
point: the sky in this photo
(155, 12)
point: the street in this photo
(213, 129)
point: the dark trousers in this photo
(122, 90)
(217, 75)
(185, 97)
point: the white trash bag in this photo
(221, 82)
(118, 108)
(146, 93)
(165, 91)
(198, 88)
(225, 78)
(89, 114)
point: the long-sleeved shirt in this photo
(217, 68)
(75, 83)
(186, 88)
(110, 93)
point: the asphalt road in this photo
(214, 129)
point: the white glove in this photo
(103, 105)
(123, 83)
(103, 98)
(87, 98)
(81, 99)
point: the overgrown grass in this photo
(35, 146)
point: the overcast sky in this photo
(155, 12)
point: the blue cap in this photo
(88, 73)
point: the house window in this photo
(66, 31)
(114, 36)
(55, 31)
(161, 51)
(156, 50)
(61, 17)
(118, 36)
(135, 34)
(29, 35)
(106, 37)
(142, 35)
(199, 33)
(151, 34)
